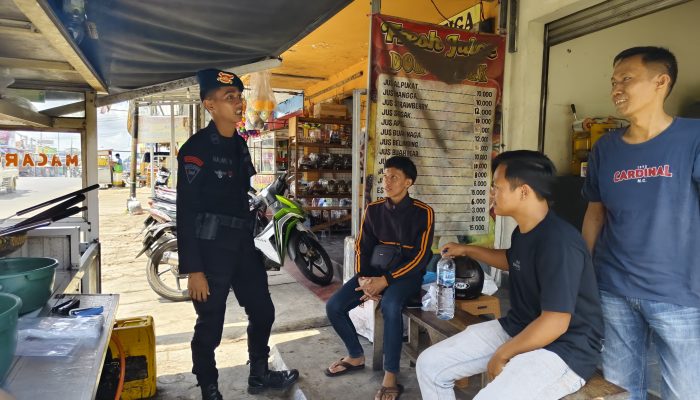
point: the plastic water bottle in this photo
(446, 288)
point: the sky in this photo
(111, 128)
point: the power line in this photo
(438, 10)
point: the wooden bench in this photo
(425, 329)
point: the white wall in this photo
(524, 69)
(523, 73)
(579, 71)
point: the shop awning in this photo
(130, 44)
(136, 43)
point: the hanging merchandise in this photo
(261, 102)
(74, 19)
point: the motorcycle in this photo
(160, 246)
(285, 233)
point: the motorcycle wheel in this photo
(312, 260)
(164, 278)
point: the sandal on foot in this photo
(395, 391)
(348, 368)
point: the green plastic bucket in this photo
(30, 278)
(9, 310)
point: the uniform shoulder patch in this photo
(192, 165)
(193, 160)
(191, 172)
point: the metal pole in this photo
(133, 205)
(134, 147)
(357, 205)
(90, 173)
(376, 9)
(190, 126)
(151, 169)
(173, 173)
(356, 151)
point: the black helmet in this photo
(469, 278)
(306, 163)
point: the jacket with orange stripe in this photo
(409, 223)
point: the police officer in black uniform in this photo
(215, 240)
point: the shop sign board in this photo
(434, 94)
(40, 160)
(466, 19)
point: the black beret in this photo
(211, 79)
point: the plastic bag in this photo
(490, 286)
(60, 328)
(55, 337)
(261, 101)
(429, 300)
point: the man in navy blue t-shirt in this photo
(549, 343)
(643, 228)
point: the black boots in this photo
(211, 392)
(261, 378)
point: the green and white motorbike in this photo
(286, 234)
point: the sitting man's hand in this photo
(363, 281)
(374, 286)
(454, 250)
(495, 365)
(198, 286)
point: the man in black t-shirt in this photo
(549, 343)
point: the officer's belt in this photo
(230, 221)
(235, 222)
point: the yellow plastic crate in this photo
(137, 336)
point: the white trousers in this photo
(538, 374)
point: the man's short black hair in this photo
(653, 55)
(404, 164)
(528, 167)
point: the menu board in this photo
(446, 131)
(445, 127)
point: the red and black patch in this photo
(193, 160)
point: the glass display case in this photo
(269, 153)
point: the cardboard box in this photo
(330, 110)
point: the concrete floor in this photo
(301, 338)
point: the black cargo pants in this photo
(238, 266)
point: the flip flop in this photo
(348, 368)
(395, 391)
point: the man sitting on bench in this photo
(549, 343)
(392, 252)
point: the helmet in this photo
(469, 278)
(331, 186)
(343, 186)
(335, 137)
(346, 162)
(327, 161)
(305, 163)
(315, 188)
(314, 159)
